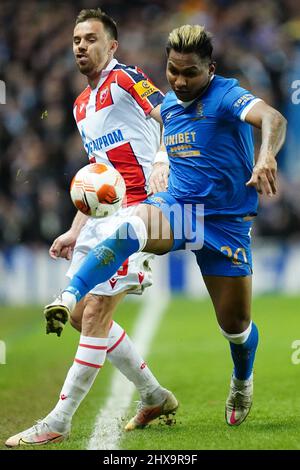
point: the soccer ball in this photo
(97, 190)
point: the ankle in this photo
(238, 383)
(58, 422)
(154, 397)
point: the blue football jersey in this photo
(211, 149)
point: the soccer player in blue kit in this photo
(214, 179)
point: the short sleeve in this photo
(237, 102)
(140, 87)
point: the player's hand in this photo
(159, 177)
(263, 178)
(63, 246)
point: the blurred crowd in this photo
(40, 149)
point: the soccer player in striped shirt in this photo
(113, 115)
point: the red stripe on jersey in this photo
(126, 82)
(90, 346)
(123, 270)
(81, 104)
(89, 364)
(125, 161)
(118, 342)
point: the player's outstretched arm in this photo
(63, 246)
(273, 128)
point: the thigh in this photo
(159, 232)
(231, 297)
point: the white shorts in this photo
(133, 276)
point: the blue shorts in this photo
(221, 243)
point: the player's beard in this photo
(86, 68)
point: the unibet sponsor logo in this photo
(181, 138)
(145, 89)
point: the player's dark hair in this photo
(191, 38)
(97, 14)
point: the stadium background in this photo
(40, 148)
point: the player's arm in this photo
(155, 114)
(63, 246)
(160, 171)
(273, 130)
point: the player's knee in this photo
(234, 320)
(156, 229)
(136, 228)
(236, 332)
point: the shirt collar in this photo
(109, 67)
(105, 72)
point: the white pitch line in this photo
(109, 425)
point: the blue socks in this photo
(243, 355)
(104, 260)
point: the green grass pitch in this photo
(188, 355)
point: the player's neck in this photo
(203, 89)
(95, 77)
(94, 80)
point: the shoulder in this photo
(223, 85)
(169, 99)
(169, 105)
(128, 75)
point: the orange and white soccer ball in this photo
(98, 190)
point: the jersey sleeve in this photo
(237, 102)
(141, 88)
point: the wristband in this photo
(161, 157)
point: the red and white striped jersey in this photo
(115, 126)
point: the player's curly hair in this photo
(191, 38)
(97, 14)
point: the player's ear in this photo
(212, 68)
(114, 46)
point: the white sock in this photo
(68, 299)
(237, 338)
(89, 359)
(122, 354)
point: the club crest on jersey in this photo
(199, 112)
(103, 95)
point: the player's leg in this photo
(154, 399)
(231, 297)
(89, 359)
(148, 230)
